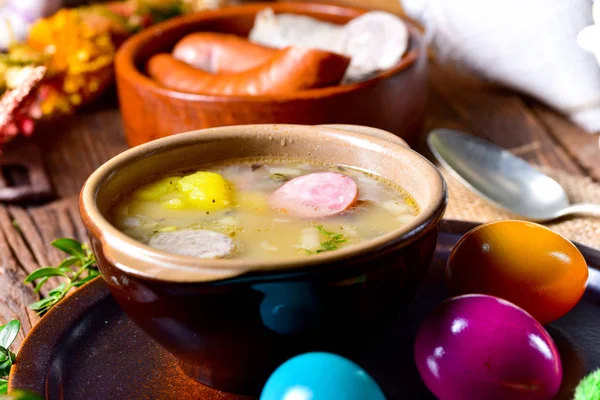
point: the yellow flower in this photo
(81, 51)
(78, 46)
(56, 103)
(73, 44)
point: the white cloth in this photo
(528, 45)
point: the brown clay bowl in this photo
(231, 322)
(394, 100)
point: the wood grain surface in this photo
(71, 149)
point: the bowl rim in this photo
(126, 69)
(118, 246)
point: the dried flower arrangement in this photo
(75, 49)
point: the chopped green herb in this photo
(81, 257)
(333, 241)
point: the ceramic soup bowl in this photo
(231, 322)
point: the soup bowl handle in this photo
(367, 130)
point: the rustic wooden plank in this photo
(21, 250)
(26, 248)
(439, 114)
(82, 233)
(47, 225)
(24, 176)
(16, 295)
(581, 146)
(30, 234)
(75, 147)
(65, 225)
(70, 219)
(18, 246)
(502, 117)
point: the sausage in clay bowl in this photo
(282, 54)
(298, 63)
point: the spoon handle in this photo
(582, 208)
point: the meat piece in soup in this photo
(262, 209)
(194, 242)
(316, 195)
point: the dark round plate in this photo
(86, 348)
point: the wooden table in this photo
(73, 148)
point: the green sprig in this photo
(77, 269)
(8, 334)
(589, 387)
(332, 242)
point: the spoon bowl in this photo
(502, 178)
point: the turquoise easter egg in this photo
(320, 376)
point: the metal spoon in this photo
(503, 178)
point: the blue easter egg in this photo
(320, 376)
